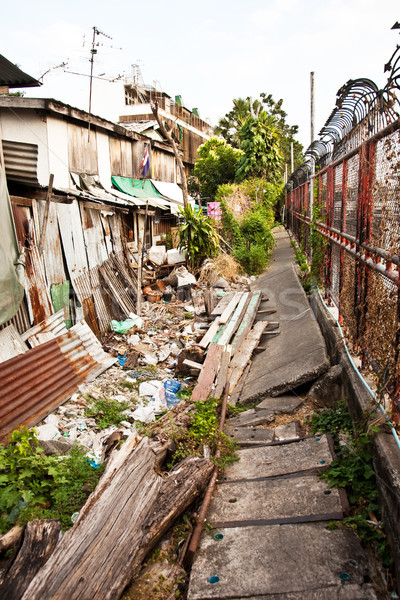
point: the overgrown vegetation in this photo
(203, 433)
(244, 173)
(353, 471)
(197, 236)
(36, 486)
(107, 411)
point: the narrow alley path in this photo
(267, 535)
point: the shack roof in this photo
(12, 76)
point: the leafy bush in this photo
(253, 259)
(33, 485)
(197, 236)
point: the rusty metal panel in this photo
(52, 252)
(94, 349)
(33, 385)
(39, 302)
(37, 382)
(20, 320)
(11, 343)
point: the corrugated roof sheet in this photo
(13, 77)
(53, 325)
(37, 382)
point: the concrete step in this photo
(280, 459)
(286, 561)
(298, 499)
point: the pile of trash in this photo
(150, 375)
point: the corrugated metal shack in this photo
(78, 237)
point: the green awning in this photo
(140, 188)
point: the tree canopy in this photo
(271, 113)
(216, 165)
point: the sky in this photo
(209, 52)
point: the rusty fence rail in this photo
(355, 208)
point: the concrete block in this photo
(301, 559)
(284, 498)
(268, 461)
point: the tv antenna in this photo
(93, 52)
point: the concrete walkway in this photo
(270, 510)
(298, 354)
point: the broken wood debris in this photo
(87, 562)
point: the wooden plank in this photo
(235, 320)
(235, 396)
(223, 372)
(207, 375)
(222, 304)
(128, 513)
(40, 540)
(210, 299)
(209, 336)
(267, 311)
(193, 364)
(231, 307)
(243, 355)
(247, 321)
(46, 214)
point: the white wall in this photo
(57, 132)
(29, 127)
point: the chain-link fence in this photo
(354, 212)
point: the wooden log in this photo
(121, 522)
(40, 540)
(11, 538)
(235, 320)
(230, 308)
(243, 355)
(207, 375)
(247, 321)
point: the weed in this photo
(33, 485)
(203, 431)
(128, 385)
(353, 471)
(332, 421)
(107, 412)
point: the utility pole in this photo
(312, 105)
(291, 158)
(312, 167)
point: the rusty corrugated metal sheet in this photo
(35, 287)
(33, 385)
(37, 382)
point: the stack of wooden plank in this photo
(230, 342)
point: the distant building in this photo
(188, 128)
